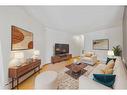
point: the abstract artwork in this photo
(101, 44)
(21, 39)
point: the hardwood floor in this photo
(29, 83)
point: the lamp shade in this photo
(110, 53)
(14, 62)
(36, 52)
(19, 55)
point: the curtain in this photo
(1, 69)
(125, 34)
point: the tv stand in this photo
(60, 58)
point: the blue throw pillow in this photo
(105, 79)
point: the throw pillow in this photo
(110, 65)
(108, 59)
(107, 71)
(102, 71)
(105, 79)
(88, 55)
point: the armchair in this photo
(89, 58)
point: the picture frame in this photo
(101, 44)
(21, 39)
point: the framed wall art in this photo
(101, 44)
(21, 39)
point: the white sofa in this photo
(120, 80)
(91, 60)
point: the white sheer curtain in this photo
(125, 35)
(1, 68)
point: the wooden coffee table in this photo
(76, 70)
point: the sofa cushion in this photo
(105, 79)
(87, 83)
(88, 54)
(87, 58)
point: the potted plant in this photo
(117, 50)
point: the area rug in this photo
(65, 81)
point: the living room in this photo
(79, 28)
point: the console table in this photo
(17, 72)
(59, 58)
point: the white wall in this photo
(56, 36)
(77, 44)
(18, 17)
(114, 34)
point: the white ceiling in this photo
(77, 19)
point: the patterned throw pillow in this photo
(107, 71)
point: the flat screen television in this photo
(61, 49)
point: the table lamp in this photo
(110, 54)
(20, 57)
(17, 60)
(36, 54)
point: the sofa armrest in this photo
(87, 83)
